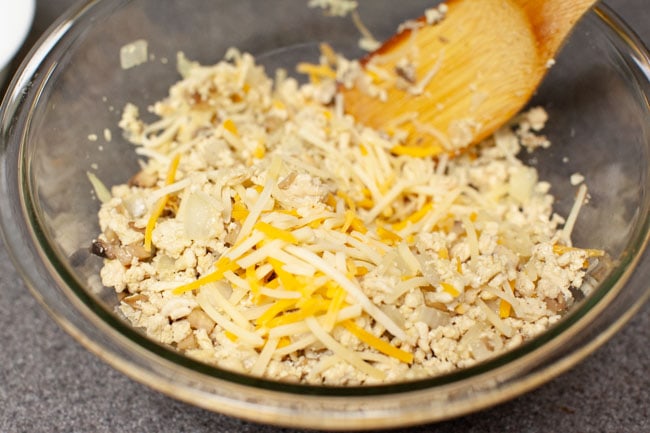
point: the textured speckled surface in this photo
(49, 383)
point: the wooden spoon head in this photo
(469, 74)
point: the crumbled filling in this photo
(270, 234)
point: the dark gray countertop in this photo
(49, 383)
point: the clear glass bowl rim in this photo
(21, 96)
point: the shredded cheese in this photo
(275, 233)
(377, 343)
(352, 289)
(341, 351)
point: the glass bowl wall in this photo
(72, 87)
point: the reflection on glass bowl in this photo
(73, 86)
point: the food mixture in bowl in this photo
(270, 234)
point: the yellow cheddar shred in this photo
(316, 223)
(230, 126)
(363, 150)
(338, 296)
(417, 151)
(414, 217)
(366, 203)
(232, 337)
(239, 211)
(449, 288)
(223, 265)
(388, 236)
(358, 225)
(253, 282)
(279, 104)
(330, 200)
(277, 308)
(288, 280)
(309, 308)
(349, 218)
(504, 309)
(260, 151)
(376, 79)
(561, 249)
(361, 271)
(275, 233)
(377, 343)
(284, 342)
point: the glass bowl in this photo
(72, 86)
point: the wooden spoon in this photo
(453, 83)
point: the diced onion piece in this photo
(199, 216)
(522, 183)
(432, 316)
(102, 193)
(134, 54)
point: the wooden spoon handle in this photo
(552, 21)
(470, 73)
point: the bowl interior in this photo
(596, 98)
